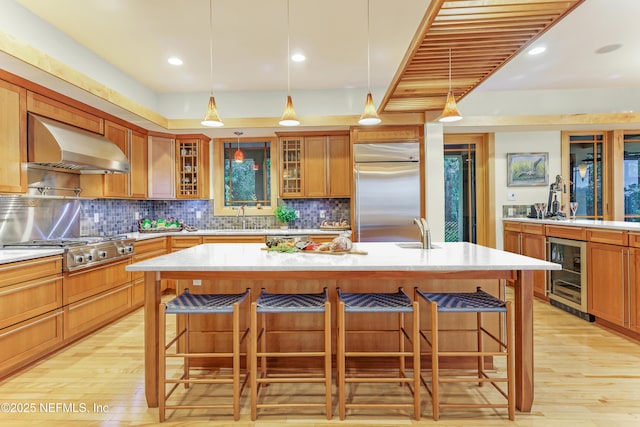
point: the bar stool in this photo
(478, 302)
(273, 304)
(189, 304)
(381, 304)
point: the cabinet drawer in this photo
(512, 226)
(634, 240)
(85, 283)
(233, 239)
(23, 271)
(26, 341)
(612, 237)
(573, 233)
(141, 257)
(533, 228)
(26, 300)
(91, 313)
(137, 292)
(150, 245)
(185, 242)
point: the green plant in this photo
(284, 213)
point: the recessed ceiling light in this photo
(174, 60)
(298, 57)
(537, 50)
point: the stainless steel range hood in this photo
(59, 146)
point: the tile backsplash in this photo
(118, 216)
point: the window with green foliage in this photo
(632, 177)
(587, 179)
(247, 177)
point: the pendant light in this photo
(212, 118)
(238, 156)
(289, 117)
(450, 112)
(370, 114)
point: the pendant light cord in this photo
(288, 50)
(368, 49)
(211, 44)
(449, 69)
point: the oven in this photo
(568, 286)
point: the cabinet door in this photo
(291, 171)
(138, 159)
(13, 134)
(315, 166)
(192, 169)
(340, 168)
(162, 168)
(634, 289)
(534, 246)
(117, 185)
(511, 241)
(606, 282)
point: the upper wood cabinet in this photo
(13, 138)
(134, 145)
(192, 167)
(162, 167)
(315, 165)
(64, 113)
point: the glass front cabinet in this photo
(192, 167)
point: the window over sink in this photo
(243, 173)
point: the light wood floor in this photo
(585, 376)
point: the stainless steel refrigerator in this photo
(387, 192)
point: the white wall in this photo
(523, 142)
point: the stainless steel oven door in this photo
(568, 285)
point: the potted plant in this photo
(284, 214)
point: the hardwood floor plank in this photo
(584, 375)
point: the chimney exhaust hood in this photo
(53, 144)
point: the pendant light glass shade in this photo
(212, 118)
(450, 112)
(369, 115)
(289, 117)
(582, 170)
(238, 156)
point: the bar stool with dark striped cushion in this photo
(478, 302)
(188, 304)
(380, 304)
(268, 307)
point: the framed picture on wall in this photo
(527, 169)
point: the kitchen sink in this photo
(414, 245)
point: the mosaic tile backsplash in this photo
(118, 216)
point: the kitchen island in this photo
(385, 267)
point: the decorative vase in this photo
(284, 226)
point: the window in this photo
(632, 177)
(459, 192)
(245, 181)
(586, 169)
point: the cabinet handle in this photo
(33, 285)
(30, 324)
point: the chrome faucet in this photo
(244, 219)
(425, 232)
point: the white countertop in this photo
(381, 257)
(617, 225)
(234, 232)
(14, 255)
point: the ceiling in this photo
(409, 44)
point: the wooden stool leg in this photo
(263, 345)
(235, 330)
(253, 355)
(435, 364)
(341, 360)
(511, 370)
(327, 358)
(162, 369)
(187, 346)
(480, 344)
(401, 360)
(416, 360)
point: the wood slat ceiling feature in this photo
(483, 35)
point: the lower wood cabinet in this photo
(607, 282)
(87, 282)
(27, 341)
(634, 288)
(86, 315)
(145, 249)
(528, 240)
